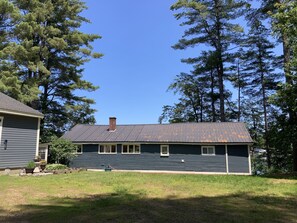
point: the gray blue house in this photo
(19, 133)
(196, 147)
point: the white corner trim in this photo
(250, 162)
(227, 159)
(37, 138)
(20, 113)
(1, 126)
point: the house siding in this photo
(150, 159)
(238, 159)
(21, 135)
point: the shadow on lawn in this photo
(126, 207)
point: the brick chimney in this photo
(112, 124)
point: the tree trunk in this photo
(289, 81)
(239, 92)
(294, 156)
(220, 65)
(213, 109)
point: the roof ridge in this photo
(164, 124)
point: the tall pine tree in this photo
(211, 23)
(50, 52)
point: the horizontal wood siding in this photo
(20, 133)
(150, 159)
(238, 159)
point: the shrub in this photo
(56, 167)
(62, 151)
(43, 162)
(31, 165)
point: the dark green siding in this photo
(21, 135)
(150, 159)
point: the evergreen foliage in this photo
(42, 59)
(265, 83)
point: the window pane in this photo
(137, 149)
(164, 150)
(101, 149)
(131, 148)
(79, 148)
(204, 150)
(210, 150)
(113, 148)
(125, 148)
(107, 148)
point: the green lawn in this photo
(142, 197)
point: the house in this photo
(197, 147)
(19, 133)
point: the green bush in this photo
(62, 151)
(56, 167)
(31, 165)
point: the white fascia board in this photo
(20, 113)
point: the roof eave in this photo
(21, 113)
(163, 142)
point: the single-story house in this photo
(197, 147)
(19, 133)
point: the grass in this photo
(140, 197)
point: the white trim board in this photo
(37, 138)
(227, 159)
(170, 172)
(165, 143)
(1, 127)
(20, 113)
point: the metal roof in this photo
(11, 106)
(218, 132)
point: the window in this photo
(208, 150)
(164, 150)
(107, 149)
(79, 149)
(42, 153)
(131, 149)
(1, 124)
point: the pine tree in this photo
(199, 97)
(210, 24)
(284, 24)
(50, 51)
(10, 84)
(259, 75)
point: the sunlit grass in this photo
(143, 197)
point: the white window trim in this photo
(1, 126)
(164, 154)
(107, 144)
(133, 149)
(214, 150)
(82, 149)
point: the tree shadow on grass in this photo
(126, 207)
(288, 176)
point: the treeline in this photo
(42, 52)
(238, 76)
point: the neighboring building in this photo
(19, 133)
(199, 147)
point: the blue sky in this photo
(138, 63)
